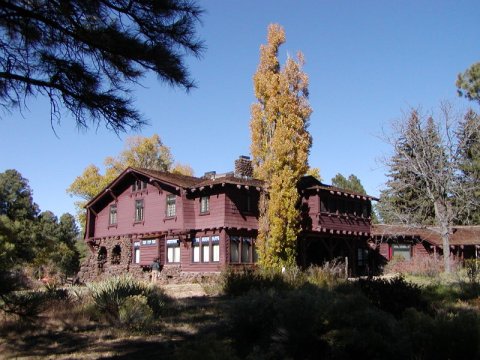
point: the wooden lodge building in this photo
(411, 242)
(197, 226)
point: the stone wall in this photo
(104, 262)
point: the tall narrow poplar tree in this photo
(280, 148)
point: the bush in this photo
(27, 304)
(135, 312)
(237, 283)
(431, 265)
(472, 268)
(328, 275)
(110, 295)
(392, 295)
(445, 336)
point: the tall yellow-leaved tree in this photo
(280, 148)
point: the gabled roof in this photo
(231, 179)
(310, 183)
(462, 235)
(183, 181)
(176, 180)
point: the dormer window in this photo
(139, 185)
(204, 204)
(171, 206)
(113, 215)
(138, 210)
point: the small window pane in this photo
(138, 210)
(246, 245)
(216, 252)
(196, 250)
(234, 249)
(171, 208)
(204, 204)
(205, 249)
(113, 215)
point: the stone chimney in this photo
(243, 167)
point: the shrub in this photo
(472, 268)
(445, 336)
(329, 274)
(431, 265)
(392, 295)
(108, 296)
(237, 283)
(135, 312)
(27, 304)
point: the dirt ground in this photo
(62, 336)
(180, 291)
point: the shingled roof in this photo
(462, 235)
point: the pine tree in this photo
(84, 55)
(424, 176)
(468, 83)
(280, 148)
(468, 135)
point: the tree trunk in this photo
(446, 248)
(442, 218)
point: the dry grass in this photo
(66, 331)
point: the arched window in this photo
(101, 257)
(116, 254)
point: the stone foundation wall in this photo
(99, 266)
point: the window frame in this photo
(169, 206)
(113, 215)
(204, 205)
(205, 249)
(141, 218)
(175, 245)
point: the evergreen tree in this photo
(280, 148)
(469, 165)
(83, 54)
(16, 200)
(353, 183)
(424, 182)
(30, 238)
(405, 201)
(468, 83)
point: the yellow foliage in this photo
(280, 148)
(140, 152)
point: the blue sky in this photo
(367, 62)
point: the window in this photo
(234, 248)
(323, 204)
(113, 215)
(204, 204)
(362, 257)
(149, 242)
(116, 255)
(216, 248)
(242, 250)
(139, 185)
(171, 208)
(205, 249)
(247, 206)
(255, 254)
(139, 210)
(136, 252)
(196, 249)
(365, 212)
(246, 246)
(402, 250)
(173, 251)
